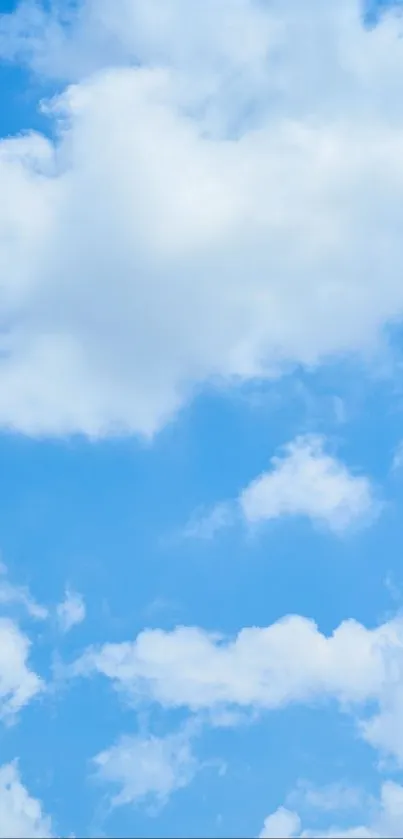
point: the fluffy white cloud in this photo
(21, 817)
(18, 684)
(304, 481)
(281, 824)
(147, 768)
(203, 40)
(266, 668)
(385, 823)
(307, 481)
(165, 238)
(71, 611)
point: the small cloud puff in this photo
(304, 480)
(307, 481)
(70, 611)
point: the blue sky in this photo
(201, 405)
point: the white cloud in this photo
(21, 817)
(307, 481)
(384, 730)
(18, 684)
(304, 481)
(281, 824)
(148, 768)
(385, 823)
(71, 611)
(12, 594)
(194, 245)
(232, 36)
(266, 668)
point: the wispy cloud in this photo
(71, 611)
(148, 768)
(18, 595)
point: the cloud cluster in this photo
(214, 207)
(265, 668)
(386, 821)
(219, 199)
